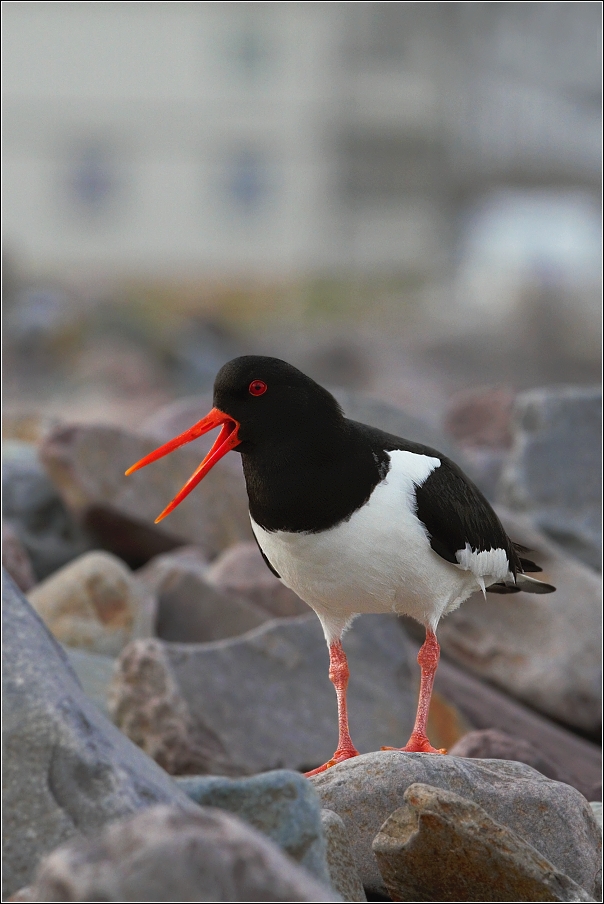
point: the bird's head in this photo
(259, 402)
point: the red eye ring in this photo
(257, 387)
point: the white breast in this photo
(379, 560)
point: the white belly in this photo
(380, 560)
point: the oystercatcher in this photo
(353, 519)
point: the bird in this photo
(353, 519)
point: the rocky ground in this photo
(163, 691)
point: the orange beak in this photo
(226, 440)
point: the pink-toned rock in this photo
(481, 417)
(241, 571)
(15, 559)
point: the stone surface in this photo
(551, 816)
(94, 603)
(441, 847)
(492, 744)
(241, 571)
(543, 649)
(184, 558)
(596, 809)
(94, 672)
(281, 804)
(34, 508)
(15, 558)
(480, 417)
(67, 769)
(165, 854)
(266, 696)
(554, 471)
(340, 863)
(87, 465)
(191, 610)
(577, 761)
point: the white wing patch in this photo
(489, 563)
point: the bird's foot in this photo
(338, 757)
(417, 743)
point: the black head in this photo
(273, 401)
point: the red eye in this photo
(257, 387)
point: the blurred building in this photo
(287, 138)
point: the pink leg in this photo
(427, 658)
(338, 675)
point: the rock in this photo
(165, 854)
(187, 558)
(577, 761)
(191, 610)
(481, 417)
(551, 816)
(542, 649)
(67, 769)
(241, 571)
(94, 672)
(441, 847)
(281, 804)
(596, 809)
(265, 697)
(492, 744)
(87, 465)
(16, 559)
(554, 471)
(94, 603)
(342, 869)
(33, 507)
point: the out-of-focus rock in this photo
(33, 507)
(188, 558)
(554, 470)
(87, 465)
(94, 672)
(241, 571)
(491, 744)
(577, 761)
(481, 417)
(553, 817)
(265, 697)
(191, 610)
(340, 863)
(543, 649)
(281, 804)
(596, 809)
(94, 603)
(165, 854)
(479, 421)
(441, 847)
(67, 769)
(16, 559)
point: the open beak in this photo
(226, 440)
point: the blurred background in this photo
(401, 198)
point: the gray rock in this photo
(491, 744)
(183, 558)
(551, 816)
(165, 854)
(554, 471)
(544, 650)
(33, 507)
(241, 571)
(441, 847)
(266, 697)
(67, 769)
(281, 804)
(15, 559)
(191, 610)
(94, 603)
(87, 465)
(596, 809)
(577, 761)
(340, 863)
(94, 672)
